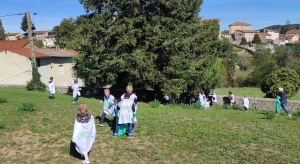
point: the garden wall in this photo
(146, 96)
(260, 103)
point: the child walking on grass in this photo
(246, 102)
(84, 131)
(76, 92)
(108, 107)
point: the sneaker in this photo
(289, 115)
(115, 135)
(101, 125)
(73, 102)
(276, 114)
(130, 136)
(85, 162)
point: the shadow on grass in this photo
(74, 152)
(111, 123)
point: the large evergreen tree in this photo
(256, 39)
(150, 43)
(2, 31)
(24, 25)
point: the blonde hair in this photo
(129, 89)
(280, 89)
(82, 109)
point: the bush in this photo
(2, 125)
(285, 78)
(154, 104)
(226, 106)
(3, 100)
(35, 84)
(27, 106)
(270, 115)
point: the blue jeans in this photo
(50, 94)
(118, 128)
(102, 117)
(284, 108)
(76, 98)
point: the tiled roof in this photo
(53, 53)
(297, 42)
(293, 32)
(13, 43)
(264, 33)
(247, 31)
(12, 34)
(289, 36)
(25, 52)
(40, 32)
(240, 24)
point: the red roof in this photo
(297, 42)
(40, 32)
(293, 32)
(12, 34)
(264, 33)
(24, 52)
(17, 46)
(13, 43)
(240, 24)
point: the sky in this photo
(258, 13)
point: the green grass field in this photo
(168, 134)
(251, 92)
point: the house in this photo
(15, 64)
(293, 32)
(13, 36)
(58, 65)
(49, 41)
(265, 37)
(283, 39)
(239, 26)
(225, 35)
(40, 35)
(274, 34)
(248, 34)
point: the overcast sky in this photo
(259, 13)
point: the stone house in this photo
(13, 36)
(239, 26)
(248, 34)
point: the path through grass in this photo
(168, 134)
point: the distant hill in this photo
(274, 27)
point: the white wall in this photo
(14, 69)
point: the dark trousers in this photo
(102, 117)
(76, 98)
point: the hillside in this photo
(279, 26)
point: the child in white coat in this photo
(51, 87)
(76, 92)
(246, 102)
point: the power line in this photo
(12, 15)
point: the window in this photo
(38, 62)
(61, 70)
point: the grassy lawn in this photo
(251, 92)
(168, 134)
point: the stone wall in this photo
(260, 103)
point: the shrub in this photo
(285, 78)
(226, 106)
(270, 115)
(2, 125)
(27, 106)
(3, 100)
(35, 84)
(154, 104)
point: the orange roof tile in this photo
(13, 43)
(297, 42)
(40, 32)
(240, 24)
(293, 32)
(12, 34)
(264, 33)
(26, 52)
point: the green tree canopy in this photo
(243, 41)
(256, 39)
(156, 44)
(65, 33)
(2, 31)
(285, 78)
(24, 25)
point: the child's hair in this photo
(82, 109)
(230, 92)
(107, 89)
(126, 96)
(51, 78)
(245, 95)
(280, 89)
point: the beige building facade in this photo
(13, 36)
(239, 26)
(248, 34)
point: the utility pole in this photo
(29, 32)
